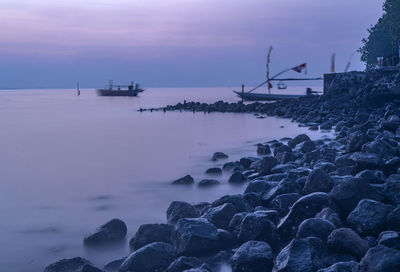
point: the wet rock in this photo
(349, 192)
(113, 231)
(208, 183)
(67, 265)
(318, 181)
(89, 268)
(219, 156)
(150, 233)
(385, 148)
(355, 141)
(286, 157)
(305, 147)
(366, 161)
(236, 222)
(285, 186)
(259, 186)
(281, 149)
(380, 259)
(390, 239)
(257, 226)
(330, 215)
(247, 162)
(372, 176)
(283, 202)
(283, 168)
(298, 139)
(202, 207)
(263, 149)
(393, 219)
(113, 266)
(392, 189)
(325, 166)
(153, 257)
(266, 164)
(215, 171)
(369, 217)
(221, 216)
(253, 256)
(340, 267)
(238, 201)
(230, 166)
(180, 209)
(186, 180)
(183, 263)
(346, 241)
(315, 227)
(195, 237)
(253, 199)
(306, 207)
(237, 178)
(301, 255)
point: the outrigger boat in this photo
(249, 95)
(120, 90)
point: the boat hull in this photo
(265, 97)
(106, 92)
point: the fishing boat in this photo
(265, 97)
(120, 90)
(282, 86)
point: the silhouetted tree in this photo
(384, 36)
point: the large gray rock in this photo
(369, 217)
(304, 147)
(67, 265)
(219, 156)
(236, 222)
(253, 256)
(372, 176)
(355, 141)
(263, 149)
(349, 192)
(196, 236)
(238, 201)
(220, 216)
(180, 209)
(393, 219)
(214, 171)
(266, 164)
(155, 257)
(340, 267)
(259, 186)
(237, 178)
(150, 233)
(113, 231)
(366, 161)
(390, 239)
(285, 186)
(392, 189)
(380, 259)
(89, 268)
(346, 241)
(331, 216)
(283, 202)
(306, 207)
(385, 148)
(298, 139)
(186, 180)
(315, 227)
(318, 181)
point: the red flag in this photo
(300, 68)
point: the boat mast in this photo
(268, 72)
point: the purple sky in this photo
(56, 43)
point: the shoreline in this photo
(303, 201)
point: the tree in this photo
(384, 36)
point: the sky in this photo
(175, 43)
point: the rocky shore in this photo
(329, 205)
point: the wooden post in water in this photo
(78, 90)
(242, 93)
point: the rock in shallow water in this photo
(208, 183)
(183, 263)
(150, 233)
(220, 216)
(180, 209)
(219, 156)
(215, 171)
(113, 231)
(186, 180)
(155, 257)
(67, 265)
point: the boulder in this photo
(259, 186)
(346, 241)
(67, 265)
(372, 176)
(263, 149)
(253, 256)
(214, 171)
(366, 161)
(237, 178)
(355, 141)
(390, 239)
(180, 209)
(349, 192)
(385, 148)
(392, 189)
(283, 202)
(369, 217)
(150, 233)
(183, 263)
(305, 147)
(283, 168)
(315, 227)
(236, 222)
(340, 267)
(286, 157)
(246, 162)
(238, 201)
(195, 237)
(113, 231)
(186, 180)
(393, 219)
(306, 207)
(258, 226)
(266, 164)
(113, 266)
(219, 156)
(89, 268)
(150, 258)
(220, 216)
(318, 181)
(298, 139)
(330, 215)
(205, 183)
(380, 259)
(285, 186)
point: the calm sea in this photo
(68, 164)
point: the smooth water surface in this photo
(68, 164)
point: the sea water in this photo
(70, 163)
